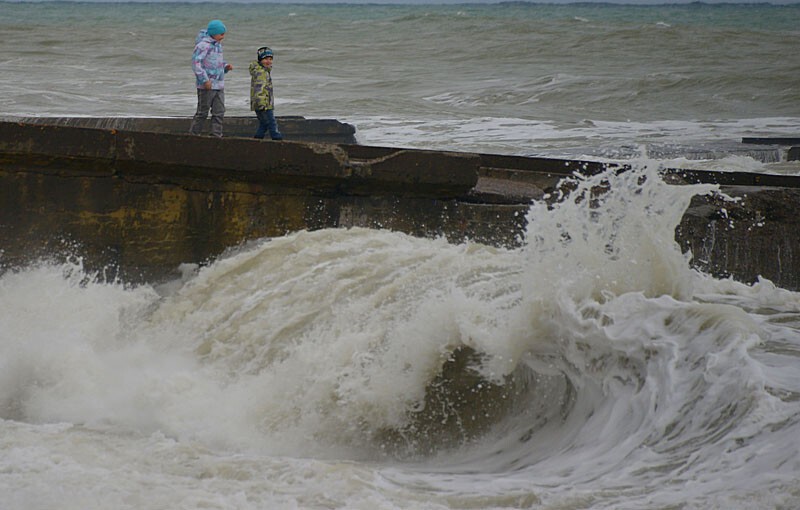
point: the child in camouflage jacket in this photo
(262, 99)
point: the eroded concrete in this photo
(139, 204)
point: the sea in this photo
(589, 368)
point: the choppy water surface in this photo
(604, 80)
(590, 368)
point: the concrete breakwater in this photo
(293, 127)
(138, 201)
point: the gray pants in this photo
(213, 100)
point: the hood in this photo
(202, 34)
(255, 65)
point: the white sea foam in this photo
(249, 378)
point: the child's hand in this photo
(228, 67)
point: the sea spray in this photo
(608, 300)
(353, 361)
(400, 327)
(354, 365)
(64, 353)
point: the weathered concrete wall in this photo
(293, 127)
(146, 229)
(146, 202)
(759, 235)
(139, 204)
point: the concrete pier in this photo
(137, 204)
(293, 127)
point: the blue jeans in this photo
(266, 122)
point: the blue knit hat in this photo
(216, 27)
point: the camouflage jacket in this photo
(261, 96)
